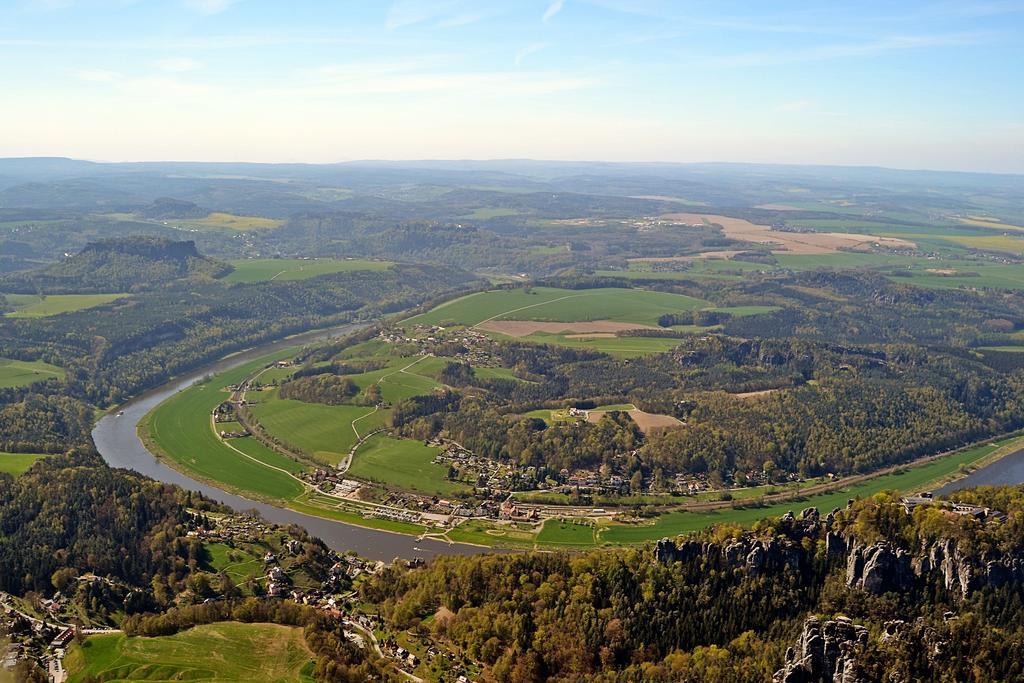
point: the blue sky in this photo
(904, 84)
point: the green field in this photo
(403, 463)
(561, 305)
(19, 373)
(15, 464)
(223, 652)
(322, 431)
(237, 563)
(568, 532)
(180, 428)
(261, 270)
(34, 306)
(620, 347)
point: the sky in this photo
(905, 84)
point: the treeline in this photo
(321, 388)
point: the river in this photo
(1007, 471)
(119, 444)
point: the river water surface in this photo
(119, 444)
(1007, 471)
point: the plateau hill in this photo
(117, 265)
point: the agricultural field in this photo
(35, 306)
(222, 652)
(620, 347)
(322, 431)
(15, 464)
(402, 463)
(262, 270)
(226, 221)
(181, 429)
(575, 532)
(239, 563)
(19, 373)
(549, 304)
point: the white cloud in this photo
(177, 64)
(209, 6)
(553, 9)
(524, 52)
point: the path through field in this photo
(523, 308)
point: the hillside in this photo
(870, 592)
(117, 265)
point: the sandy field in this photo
(645, 421)
(523, 328)
(791, 242)
(723, 254)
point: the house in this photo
(276, 574)
(63, 639)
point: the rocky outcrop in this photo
(825, 653)
(879, 568)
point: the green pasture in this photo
(221, 653)
(19, 373)
(180, 429)
(35, 306)
(560, 305)
(568, 532)
(322, 431)
(403, 463)
(15, 464)
(261, 270)
(620, 347)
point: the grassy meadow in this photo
(560, 305)
(403, 463)
(15, 464)
(35, 306)
(262, 270)
(322, 431)
(20, 373)
(180, 429)
(220, 653)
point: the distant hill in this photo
(117, 265)
(168, 208)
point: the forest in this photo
(725, 604)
